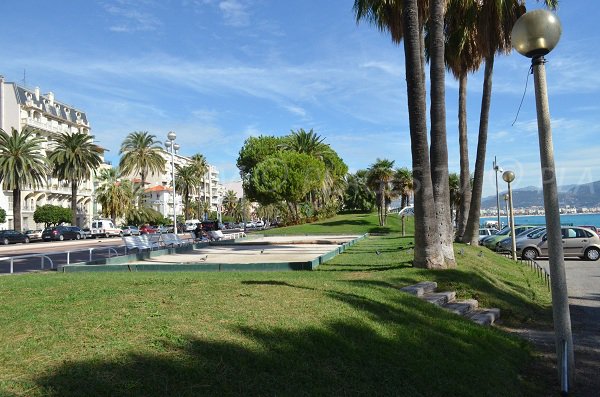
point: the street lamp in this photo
(508, 177)
(506, 205)
(172, 147)
(534, 35)
(497, 168)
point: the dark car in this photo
(12, 236)
(63, 233)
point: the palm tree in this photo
(22, 164)
(404, 21)
(74, 158)
(230, 201)
(455, 193)
(380, 174)
(403, 185)
(462, 57)
(186, 183)
(142, 154)
(305, 142)
(201, 165)
(115, 195)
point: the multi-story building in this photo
(158, 194)
(22, 107)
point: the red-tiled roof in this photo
(158, 189)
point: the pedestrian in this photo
(198, 231)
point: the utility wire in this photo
(530, 71)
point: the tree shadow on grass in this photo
(399, 349)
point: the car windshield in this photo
(537, 233)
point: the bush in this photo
(52, 215)
(2, 215)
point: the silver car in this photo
(530, 236)
(577, 242)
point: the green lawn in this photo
(342, 330)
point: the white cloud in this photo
(130, 18)
(234, 13)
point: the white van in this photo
(190, 224)
(104, 228)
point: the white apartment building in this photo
(23, 107)
(158, 194)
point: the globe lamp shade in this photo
(536, 33)
(171, 136)
(508, 176)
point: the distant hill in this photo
(586, 195)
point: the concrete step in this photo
(421, 288)
(439, 298)
(461, 307)
(484, 316)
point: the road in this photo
(583, 285)
(56, 250)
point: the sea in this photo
(565, 219)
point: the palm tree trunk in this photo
(439, 146)
(17, 209)
(465, 174)
(426, 252)
(382, 203)
(74, 203)
(472, 230)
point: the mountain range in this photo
(585, 195)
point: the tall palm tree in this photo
(404, 21)
(455, 193)
(380, 175)
(463, 56)
(141, 154)
(305, 142)
(186, 183)
(22, 164)
(74, 158)
(115, 195)
(230, 201)
(201, 166)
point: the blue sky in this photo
(219, 71)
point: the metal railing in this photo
(539, 270)
(11, 259)
(42, 257)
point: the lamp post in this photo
(506, 205)
(508, 177)
(242, 200)
(534, 35)
(172, 147)
(497, 169)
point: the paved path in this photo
(583, 285)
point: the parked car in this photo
(259, 224)
(130, 231)
(147, 229)
(87, 233)
(486, 231)
(34, 235)
(105, 228)
(162, 229)
(532, 236)
(61, 233)
(78, 230)
(12, 236)
(591, 227)
(492, 241)
(577, 241)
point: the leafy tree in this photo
(230, 201)
(74, 158)
(52, 215)
(22, 163)
(200, 164)
(2, 215)
(257, 149)
(287, 176)
(141, 154)
(143, 215)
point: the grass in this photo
(342, 330)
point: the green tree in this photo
(403, 185)
(22, 163)
(287, 176)
(141, 154)
(455, 193)
(187, 180)
(200, 164)
(230, 201)
(74, 158)
(52, 215)
(2, 215)
(358, 195)
(115, 195)
(379, 177)
(257, 149)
